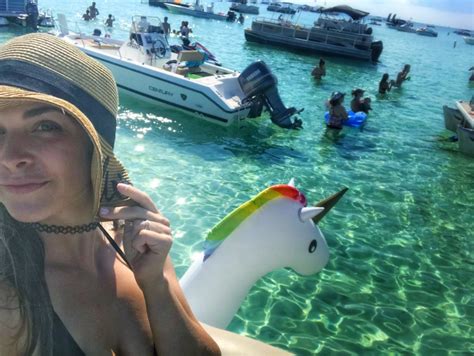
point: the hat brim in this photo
(106, 169)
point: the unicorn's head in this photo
(273, 230)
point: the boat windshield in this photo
(146, 24)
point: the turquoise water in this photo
(401, 273)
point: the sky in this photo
(450, 13)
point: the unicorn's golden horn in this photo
(328, 204)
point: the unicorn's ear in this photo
(291, 183)
(309, 213)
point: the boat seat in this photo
(190, 58)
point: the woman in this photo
(337, 112)
(358, 103)
(401, 76)
(385, 85)
(66, 288)
(319, 71)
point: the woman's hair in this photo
(384, 77)
(22, 270)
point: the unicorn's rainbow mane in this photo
(226, 226)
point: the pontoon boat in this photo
(329, 34)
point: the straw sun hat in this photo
(45, 69)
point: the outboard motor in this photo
(377, 48)
(260, 87)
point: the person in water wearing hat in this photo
(337, 112)
(358, 103)
(66, 209)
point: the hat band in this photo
(38, 79)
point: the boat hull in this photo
(196, 13)
(469, 40)
(452, 118)
(466, 140)
(245, 9)
(427, 33)
(177, 92)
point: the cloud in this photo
(464, 6)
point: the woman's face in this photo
(44, 165)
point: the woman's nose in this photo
(14, 152)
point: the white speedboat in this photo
(197, 10)
(407, 27)
(144, 66)
(427, 31)
(461, 121)
(469, 40)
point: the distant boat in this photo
(241, 6)
(463, 32)
(469, 40)
(407, 27)
(3, 21)
(274, 6)
(426, 31)
(162, 3)
(284, 7)
(196, 10)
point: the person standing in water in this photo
(401, 76)
(320, 70)
(94, 12)
(110, 21)
(337, 112)
(166, 26)
(86, 16)
(384, 85)
(358, 103)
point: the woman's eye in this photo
(48, 126)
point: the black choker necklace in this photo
(58, 229)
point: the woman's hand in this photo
(147, 235)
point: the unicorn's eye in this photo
(312, 246)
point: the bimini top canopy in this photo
(354, 13)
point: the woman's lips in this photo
(22, 188)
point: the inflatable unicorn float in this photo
(273, 230)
